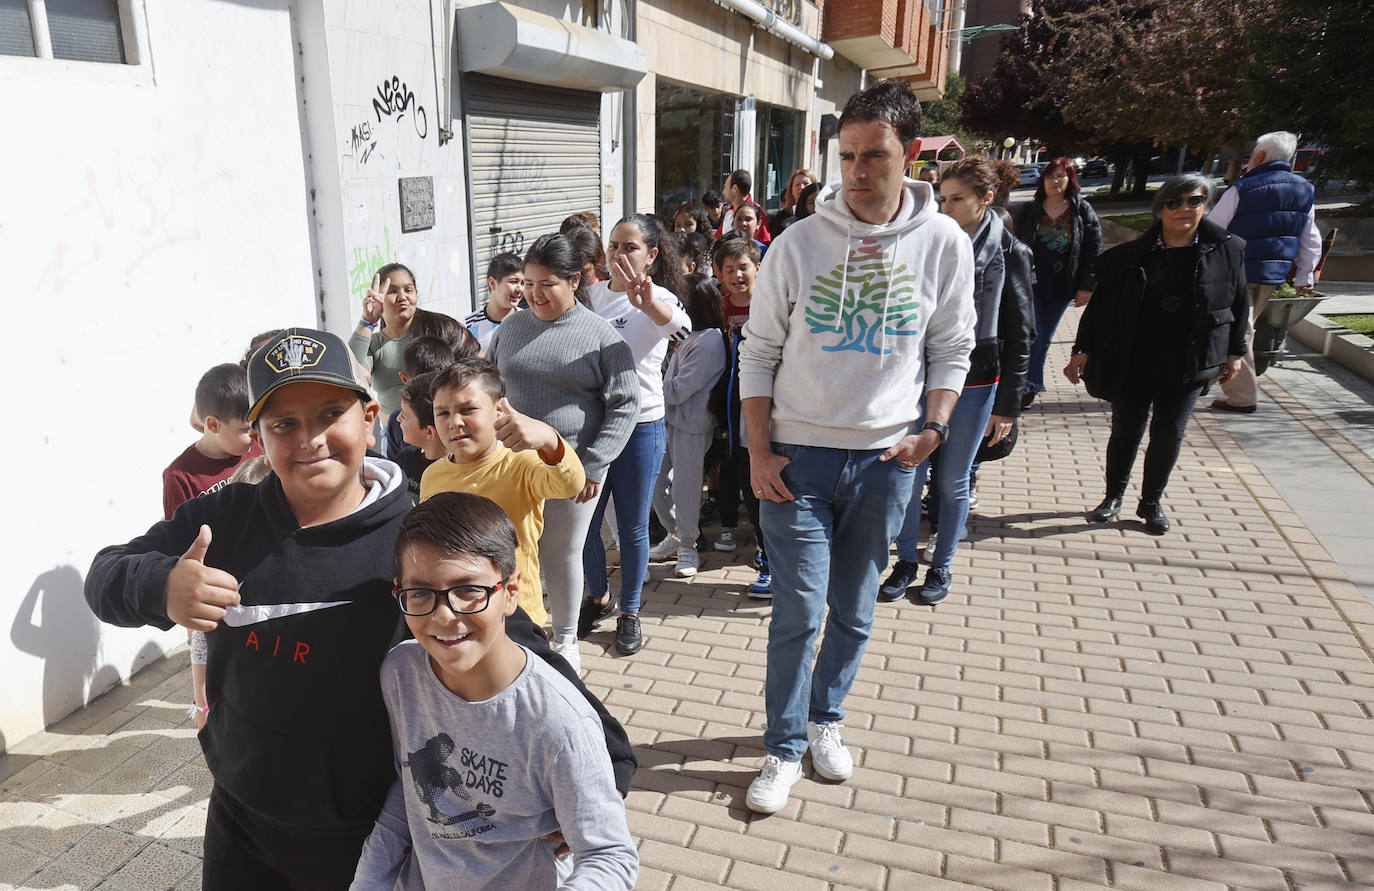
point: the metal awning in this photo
(503, 40)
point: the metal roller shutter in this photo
(534, 157)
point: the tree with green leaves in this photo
(1015, 99)
(941, 117)
(1311, 74)
(1161, 71)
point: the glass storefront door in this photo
(779, 153)
(693, 137)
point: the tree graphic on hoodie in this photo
(864, 301)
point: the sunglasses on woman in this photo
(1193, 202)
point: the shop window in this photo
(779, 153)
(74, 30)
(693, 138)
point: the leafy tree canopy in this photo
(1311, 74)
(1014, 99)
(1161, 71)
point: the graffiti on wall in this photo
(365, 262)
(504, 242)
(362, 141)
(395, 100)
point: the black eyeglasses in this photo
(462, 599)
(1193, 202)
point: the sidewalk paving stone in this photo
(1090, 707)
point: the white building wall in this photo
(358, 56)
(376, 104)
(159, 215)
(154, 218)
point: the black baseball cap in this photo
(302, 354)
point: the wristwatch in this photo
(941, 429)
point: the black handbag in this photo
(1002, 449)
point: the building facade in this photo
(193, 172)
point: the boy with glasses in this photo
(480, 790)
(289, 580)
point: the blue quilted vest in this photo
(1271, 216)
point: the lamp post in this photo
(1007, 145)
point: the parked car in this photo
(1095, 167)
(1030, 174)
(1307, 159)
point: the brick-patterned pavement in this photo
(1090, 707)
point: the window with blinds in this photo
(16, 29)
(74, 30)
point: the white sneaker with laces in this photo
(569, 651)
(688, 562)
(769, 791)
(664, 550)
(829, 756)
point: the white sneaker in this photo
(688, 562)
(570, 653)
(726, 540)
(769, 791)
(929, 553)
(664, 550)
(829, 757)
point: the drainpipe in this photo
(768, 20)
(629, 127)
(956, 46)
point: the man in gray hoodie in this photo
(855, 351)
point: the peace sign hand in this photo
(639, 288)
(376, 297)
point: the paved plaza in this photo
(1090, 707)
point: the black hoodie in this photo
(297, 729)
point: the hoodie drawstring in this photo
(887, 298)
(844, 282)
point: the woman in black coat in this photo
(1065, 236)
(1168, 317)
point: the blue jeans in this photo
(630, 481)
(1048, 312)
(826, 549)
(949, 479)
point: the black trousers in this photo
(734, 485)
(1167, 413)
(246, 851)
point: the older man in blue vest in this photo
(1271, 208)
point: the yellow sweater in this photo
(518, 482)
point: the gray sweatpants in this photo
(677, 494)
(560, 559)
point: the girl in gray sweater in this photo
(566, 366)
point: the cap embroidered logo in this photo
(295, 352)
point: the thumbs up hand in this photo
(518, 432)
(197, 594)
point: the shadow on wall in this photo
(55, 624)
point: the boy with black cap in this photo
(293, 577)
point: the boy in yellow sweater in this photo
(494, 451)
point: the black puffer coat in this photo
(1081, 266)
(1217, 321)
